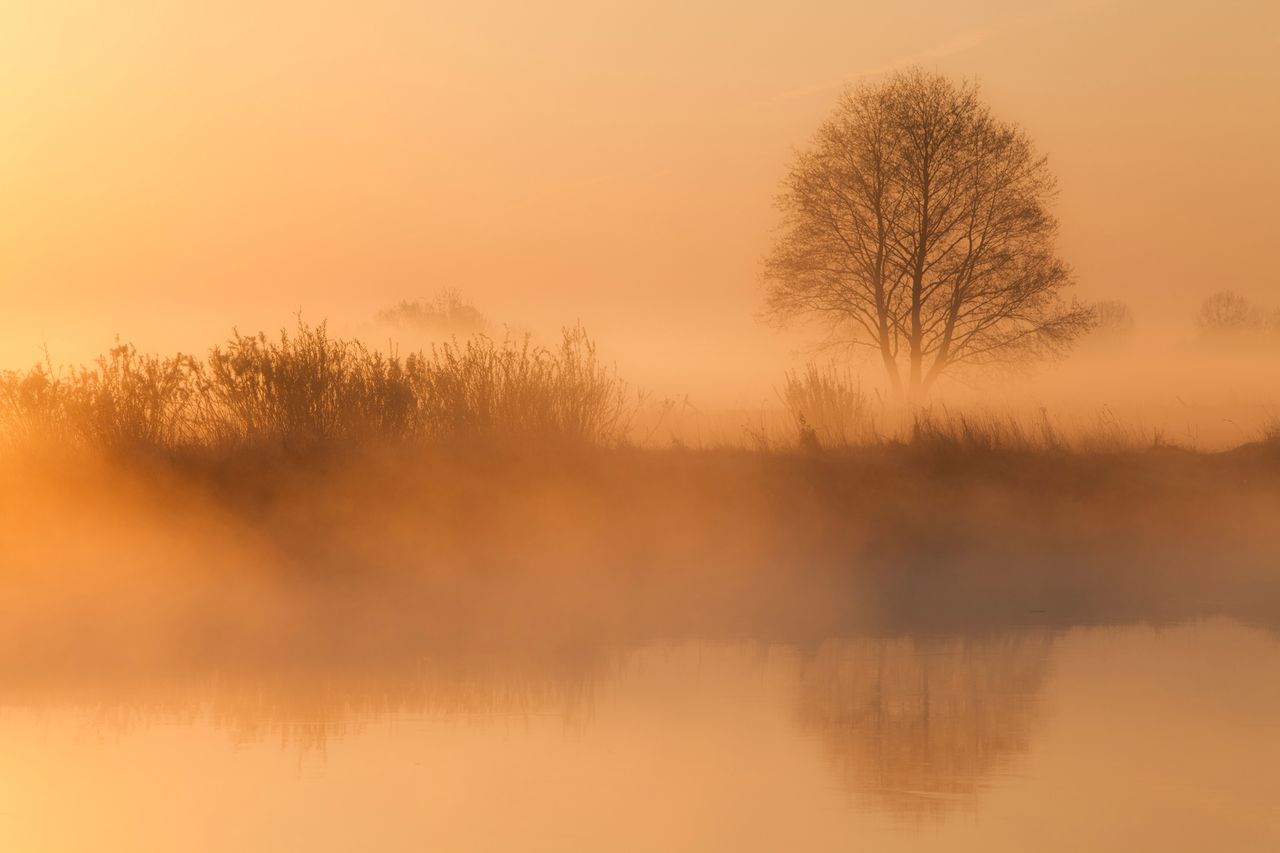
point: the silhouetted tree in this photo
(917, 224)
(1113, 321)
(1228, 314)
(449, 313)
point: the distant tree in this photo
(445, 315)
(917, 224)
(1113, 321)
(1228, 314)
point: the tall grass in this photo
(1270, 433)
(131, 401)
(483, 389)
(33, 406)
(827, 407)
(941, 431)
(305, 390)
(127, 401)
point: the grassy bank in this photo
(309, 496)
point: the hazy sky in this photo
(170, 169)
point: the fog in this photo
(423, 425)
(173, 171)
(385, 556)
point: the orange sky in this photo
(170, 169)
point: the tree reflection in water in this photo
(919, 727)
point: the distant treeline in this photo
(305, 389)
(1227, 313)
(1222, 316)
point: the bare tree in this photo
(917, 224)
(1113, 322)
(1227, 314)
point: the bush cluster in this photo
(305, 390)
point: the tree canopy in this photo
(917, 224)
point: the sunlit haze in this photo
(693, 426)
(170, 170)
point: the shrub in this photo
(132, 402)
(590, 400)
(306, 390)
(126, 402)
(515, 390)
(827, 407)
(33, 406)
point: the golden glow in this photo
(168, 170)
(690, 748)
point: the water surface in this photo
(1084, 739)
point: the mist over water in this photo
(485, 427)
(629, 649)
(904, 743)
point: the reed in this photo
(306, 390)
(941, 431)
(302, 390)
(827, 407)
(33, 406)
(514, 389)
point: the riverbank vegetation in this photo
(305, 390)
(308, 495)
(305, 495)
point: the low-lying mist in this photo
(308, 499)
(385, 554)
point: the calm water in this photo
(1088, 739)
